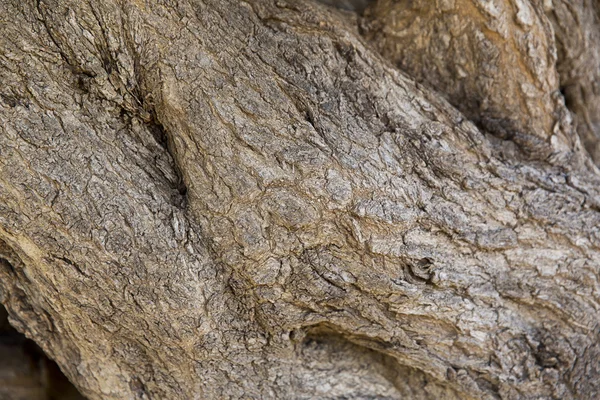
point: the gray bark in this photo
(246, 199)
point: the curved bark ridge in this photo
(578, 43)
(333, 211)
(493, 60)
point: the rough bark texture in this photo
(244, 199)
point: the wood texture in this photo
(231, 199)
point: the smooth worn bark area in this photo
(578, 44)
(496, 61)
(244, 199)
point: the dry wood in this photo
(245, 199)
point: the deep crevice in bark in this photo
(26, 373)
(162, 137)
(136, 103)
(410, 383)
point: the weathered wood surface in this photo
(231, 199)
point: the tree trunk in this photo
(209, 199)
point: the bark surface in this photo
(249, 199)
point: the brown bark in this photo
(577, 40)
(231, 199)
(497, 62)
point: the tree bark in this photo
(280, 199)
